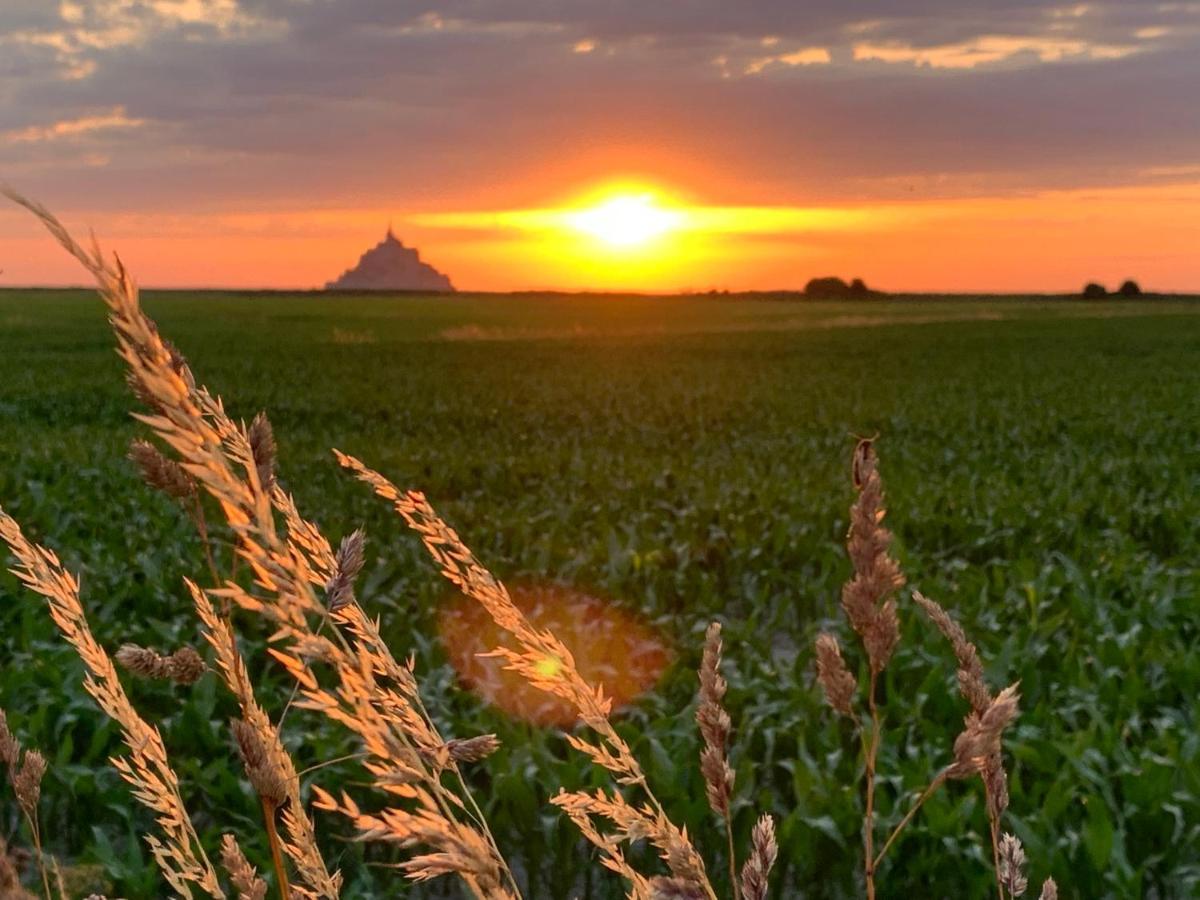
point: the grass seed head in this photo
(27, 782)
(838, 682)
(714, 725)
(472, 749)
(1012, 865)
(10, 747)
(339, 589)
(243, 876)
(161, 473)
(763, 851)
(980, 740)
(184, 666)
(970, 670)
(1049, 890)
(262, 445)
(866, 596)
(266, 779)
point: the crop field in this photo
(658, 463)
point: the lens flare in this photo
(610, 647)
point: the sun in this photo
(626, 220)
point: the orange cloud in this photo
(990, 49)
(115, 118)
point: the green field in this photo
(686, 458)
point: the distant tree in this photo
(836, 287)
(827, 287)
(1094, 291)
(1130, 289)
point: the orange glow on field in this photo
(611, 648)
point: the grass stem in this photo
(925, 795)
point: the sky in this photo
(934, 145)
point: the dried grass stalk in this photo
(1049, 890)
(547, 664)
(980, 739)
(178, 852)
(970, 670)
(219, 454)
(243, 875)
(25, 775)
(868, 597)
(973, 686)
(1012, 866)
(714, 725)
(757, 869)
(268, 764)
(27, 781)
(10, 747)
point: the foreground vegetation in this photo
(686, 461)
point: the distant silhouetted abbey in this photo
(390, 266)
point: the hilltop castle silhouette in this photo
(390, 266)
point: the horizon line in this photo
(877, 294)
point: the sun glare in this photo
(628, 220)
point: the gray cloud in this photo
(322, 103)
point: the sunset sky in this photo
(956, 145)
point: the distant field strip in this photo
(475, 332)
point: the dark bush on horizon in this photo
(836, 287)
(1094, 291)
(1130, 289)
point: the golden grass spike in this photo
(178, 853)
(245, 879)
(544, 662)
(268, 764)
